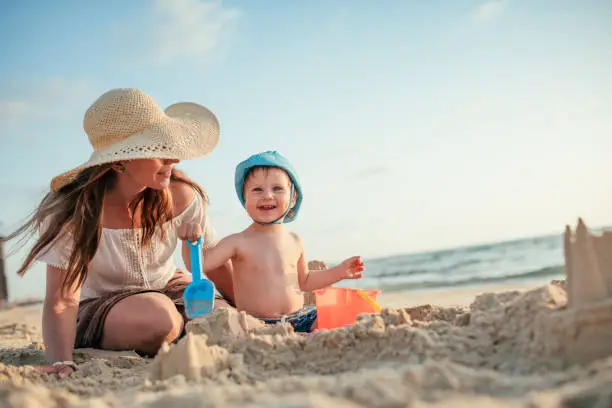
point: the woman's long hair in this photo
(77, 209)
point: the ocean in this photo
(530, 260)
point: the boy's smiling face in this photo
(267, 194)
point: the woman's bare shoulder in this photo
(182, 195)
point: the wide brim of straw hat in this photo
(188, 131)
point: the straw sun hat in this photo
(127, 124)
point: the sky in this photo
(412, 125)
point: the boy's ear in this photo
(295, 197)
(291, 212)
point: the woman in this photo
(109, 229)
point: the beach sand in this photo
(461, 296)
(538, 346)
(487, 347)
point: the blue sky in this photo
(413, 125)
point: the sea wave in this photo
(531, 275)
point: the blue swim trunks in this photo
(302, 320)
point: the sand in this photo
(538, 346)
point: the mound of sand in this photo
(506, 347)
(534, 348)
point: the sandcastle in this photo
(579, 331)
(588, 268)
(192, 358)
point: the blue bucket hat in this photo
(270, 159)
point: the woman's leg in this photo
(142, 322)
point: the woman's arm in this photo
(199, 226)
(221, 274)
(59, 317)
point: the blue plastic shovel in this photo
(200, 294)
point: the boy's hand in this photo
(352, 267)
(190, 232)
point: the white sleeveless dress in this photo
(121, 263)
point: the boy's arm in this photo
(302, 266)
(218, 255)
(311, 280)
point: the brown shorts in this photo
(92, 312)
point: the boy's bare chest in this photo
(273, 255)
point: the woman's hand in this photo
(60, 310)
(190, 231)
(63, 370)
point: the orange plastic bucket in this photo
(337, 307)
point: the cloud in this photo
(489, 10)
(56, 100)
(189, 28)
